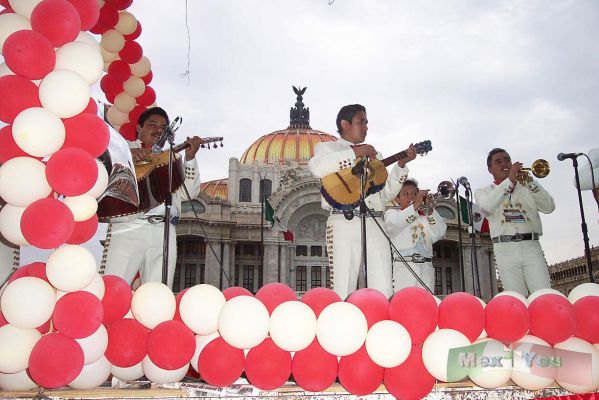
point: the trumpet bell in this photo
(540, 168)
(446, 190)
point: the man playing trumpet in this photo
(413, 229)
(512, 204)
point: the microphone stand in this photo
(473, 256)
(585, 235)
(168, 203)
(460, 243)
(363, 211)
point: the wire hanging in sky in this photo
(188, 71)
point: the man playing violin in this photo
(512, 204)
(137, 244)
(344, 235)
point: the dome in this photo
(291, 144)
(218, 188)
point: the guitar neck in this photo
(395, 157)
(180, 147)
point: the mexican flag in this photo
(480, 224)
(269, 215)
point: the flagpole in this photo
(262, 220)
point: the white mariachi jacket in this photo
(331, 157)
(527, 200)
(412, 233)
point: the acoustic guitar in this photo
(342, 189)
(152, 183)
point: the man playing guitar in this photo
(344, 235)
(137, 244)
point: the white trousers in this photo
(345, 255)
(522, 266)
(137, 246)
(402, 277)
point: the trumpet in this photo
(445, 191)
(540, 169)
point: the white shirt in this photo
(413, 233)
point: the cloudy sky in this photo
(468, 75)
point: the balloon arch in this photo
(61, 323)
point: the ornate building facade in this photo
(230, 244)
(566, 275)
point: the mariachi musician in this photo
(343, 234)
(137, 244)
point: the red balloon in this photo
(29, 54)
(5, 4)
(506, 319)
(319, 298)
(87, 132)
(147, 98)
(89, 12)
(55, 360)
(45, 327)
(84, 230)
(171, 345)
(131, 53)
(135, 34)
(127, 341)
(38, 270)
(313, 368)
(410, 380)
(464, 313)
(552, 318)
(178, 298)
(120, 4)
(78, 314)
(587, 318)
(8, 147)
(110, 97)
(147, 78)
(99, 29)
(135, 113)
(16, 95)
(358, 374)
(3, 320)
(58, 20)
(47, 223)
(275, 293)
(92, 107)
(20, 272)
(128, 131)
(267, 366)
(109, 85)
(416, 309)
(119, 70)
(220, 364)
(71, 171)
(116, 300)
(235, 291)
(109, 15)
(373, 304)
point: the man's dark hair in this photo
(347, 113)
(492, 153)
(152, 111)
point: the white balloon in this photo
(38, 131)
(15, 347)
(341, 328)
(10, 224)
(4, 70)
(24, 7)
(141, 68)
(94, 345)
(124, 102)
(108, 57)
(27, 302)
(127, 23)
(101, 182)
(491, 375)
(575, 375)
(200, 307)
(89, 39)
(128, 373)
(116, 117)
(134, 87)
(92, 375)
(81, 58)
(513, 294)
(64, 92)
(23, 181)
(10, 23)
(435, 354)
(525, 352)
(292, 325)
(242, 321)
(388, 343)
(153, 303)
(112, 41)
(201, 342)
(540, 292)
(583, 290)
(70, 268)
(161, 376)
(83, 207)
(16, 382)
(96, 287)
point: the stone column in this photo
(226, 267)
(212, 267)
(271, 262)
(231, 267)
(284, 264)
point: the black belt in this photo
(416, 258)
(158, 219)
(356, 213)
(515, 238)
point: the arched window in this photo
(189, 206)
(265, 189)
(245, 190)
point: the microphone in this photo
(168, 132)
(563, 156)
(464, 182)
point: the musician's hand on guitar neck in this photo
(410, 155)
(194, 145)
(364, 150)
(140, 154)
